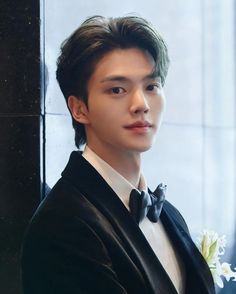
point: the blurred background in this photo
(195, 150)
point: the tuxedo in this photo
(82, 239)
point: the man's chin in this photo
(142, 148)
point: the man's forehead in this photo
(125, 64)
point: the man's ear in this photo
(78, 109)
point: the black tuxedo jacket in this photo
(82, 239)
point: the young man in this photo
(101, 230)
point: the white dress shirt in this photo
(153, 232)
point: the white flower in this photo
(216, 274)
(227, 272)
(212, 247)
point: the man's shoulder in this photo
(64, 199)
(64, 213)
(62, 196)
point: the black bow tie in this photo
(147, 204)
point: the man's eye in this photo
(153, 87)
(117, 90)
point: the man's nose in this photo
(139, 102)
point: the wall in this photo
(20, 120)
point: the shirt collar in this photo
(115, 180)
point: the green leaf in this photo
(212, 252)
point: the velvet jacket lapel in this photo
(198, 275)
(89, 182)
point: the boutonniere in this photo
(212, 247)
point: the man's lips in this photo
(139, 124)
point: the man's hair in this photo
(91, 41)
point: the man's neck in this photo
(128, 164)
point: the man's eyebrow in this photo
(118, 78)
(114, 79)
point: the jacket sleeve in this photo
(64, 255)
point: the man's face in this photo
(125, 103)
